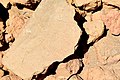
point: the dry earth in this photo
(59, 40)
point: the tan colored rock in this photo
(94, 29)
(97, 15)
(1, 33)
(112, 2)
(62, 78)
(5, 78)
(65, 70)
(51, 77)
(69, 1)
(5, 68)
(1, 73)
(5, 2)
(113, 59)
(109, 53)
(16, 21)
(75, 77)
(81, 2)
(73, 66)
(102, 60)
(81, 12)
(1, 55)
(111, 19)
(49, 36)
(9, 38)
(93, 5)
(1, 25)
(99, 73)
(88, 5)
(14, 77)
(62, 71)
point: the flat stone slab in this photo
(49, 36)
